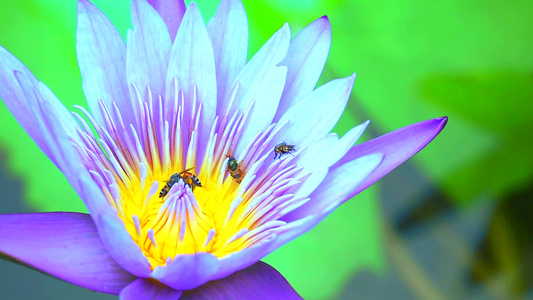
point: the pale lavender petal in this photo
(145, 289)
(337, 187)
(64, 245)
(171, 11)
(112, 231)
(20, 90)
(262, 82)
(244, 258)
(228, 31)
(54, 124)
(102, 60)
(148, 50)
(305, 61)
(259, 281)
(120, 245)
(325, 104)
(192, 65)
(396, 146)
(187, 271)
(291, 231)
(329, 149)
(317, 158)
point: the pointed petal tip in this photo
(442, 121)
(192, 5)
(324, 20)
(286, 28)
(84, 5)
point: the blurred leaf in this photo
(501, 103)
(431, 261)
(399, 48)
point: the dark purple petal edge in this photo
(259, 281)
(62, 244)
(148, 289)
(397, 147)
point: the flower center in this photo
(179, 190)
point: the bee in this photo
(173, 180)
(234, 169)
(282, 148)
(188, 178)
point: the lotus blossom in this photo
(177, 158)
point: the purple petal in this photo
(111, 229)
(192, 65)
(262, 82)
(242, 259)
(339, 183)
(64, 245)
(291, 231)
(21, 91)
(259, 281)
(326, 104)
(120, 245)
(102, 60)
(317, 158)
(397, 147)
(148, 49)
(305, 61)
(146, 289)
(330, 149)
(336, 186)
(228, 31)
(187, 271)
(171, 11)
(55, 125)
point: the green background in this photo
(471, 61)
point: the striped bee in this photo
(282, 148)
(234, 169)
(188, 178)
(173, 180)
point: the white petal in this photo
(262, 81)
(228, 31)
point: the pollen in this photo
(133, 165)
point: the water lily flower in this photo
(175, 157)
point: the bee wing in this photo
(187, 170)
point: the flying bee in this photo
(282, 148)
(188, 178)
(234, 169)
